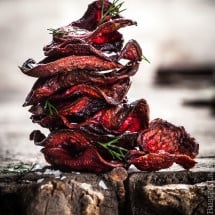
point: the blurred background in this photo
(177, 36)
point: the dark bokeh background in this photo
(178, 36)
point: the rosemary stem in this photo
(115, 151)
(112, 11)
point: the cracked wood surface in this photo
(117, 192)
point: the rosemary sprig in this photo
(56, 31)
(17, 168)
(146, 59)
(112, 11)
(50, 107)
(115, 151)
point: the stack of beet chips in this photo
(80, 96)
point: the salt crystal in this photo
(57, 173)
(40, 180)
(103, 185)
(62, 178)
(37, 167)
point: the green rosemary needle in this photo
(115, 151)
(56, 31)
(50, 107)
(17, 168)
(112, 11)
(146, 59)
